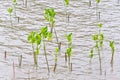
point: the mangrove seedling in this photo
(69, 53)
(35, 39)
(67, 15)
(15, 3)
(69, 49)
(91, 55)
(97, 13)
(56, 57)
(44, 35)
(111, 44)
(98, 39)
(69, 38)
(50, 17)
(10, 10)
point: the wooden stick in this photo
(65, 58)
(13, 71)
(5, 55)
(71, 66)
(35, 58)
(20, 61)
(55, 67)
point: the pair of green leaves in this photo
(100, 25)
(45, 33)
(50, 15)
(69, 49)
(34, 37)
(111, 44)
(91, 54)
(98, 38)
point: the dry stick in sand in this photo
(20, 61)
(13, 71)
(71, 67)
(65, 58)
(5, 55)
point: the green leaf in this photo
(10, 10)
(50, 15)
(95, 37)
(69, 51)
(66, 2)
(96, 45)
(50, 35)
(14, 1)
(56, 49)
(101, 43)
(91, 54)
(111, 44)
(44, 32)
(31, 37)
(101, 36)
(37, 39)
(100, 25)
(69, 37)
(98, 1)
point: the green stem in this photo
(34, 55)
(112, 58)
(56, 37)
(11, 20)
(100, 61)
(69, 64)
(46, 57)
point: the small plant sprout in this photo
(69, 49)
(56, 57)
(69, 53)
(69, 38)
(35, 39)
(97, 13)
(98, 39)
(91, 55)
(10, 10)
(111, 44)
(44, 35)
(66, 6)
(15, 3)
(50, 17)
